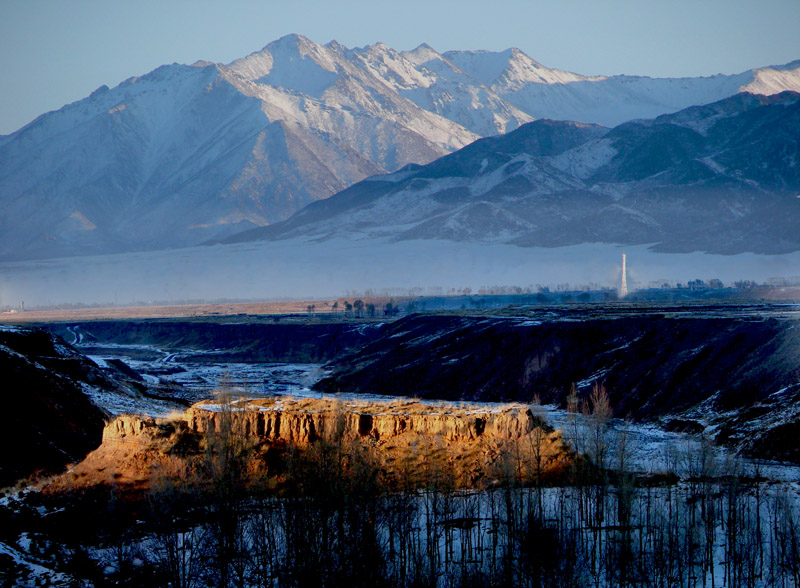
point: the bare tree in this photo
(227, 453)
(179, 539)
(358, 306)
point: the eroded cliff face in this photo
(298, 424)
(473, 443)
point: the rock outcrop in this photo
(472, 440)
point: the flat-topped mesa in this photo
(472, 442)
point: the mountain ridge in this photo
(719, 178)
(191, 153)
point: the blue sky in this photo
(57, 51)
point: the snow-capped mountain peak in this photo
(422, 54)
(510, 69)
(293, 62)
(774, 79)
(484, 66)
(522, 69)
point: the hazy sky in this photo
(57, 51)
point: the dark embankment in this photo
(48, 420)
(214, 341)
(731, 372)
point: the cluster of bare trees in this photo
(356, 309)
(335, 524)
(359, 309)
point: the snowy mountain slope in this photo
(83, 170)
(427, 79)
(721, 178)
(331, 92)
(509, 68)
(188, 153)
(773, 79)
(185, 154)
(168, 159)
(542, 92)
(388, 205)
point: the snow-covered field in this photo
(29, 572)
(299, 269)
(170, 374)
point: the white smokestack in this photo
(623, 288)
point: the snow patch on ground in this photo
(33, 573)
(99, 361)
(586, 159)
(117, 403)
(171, 373)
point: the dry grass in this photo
(204, 310)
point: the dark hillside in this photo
(48, 419)
(715, 369)
(229, 341)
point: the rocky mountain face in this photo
(721, 178)
(302, 423)
(185, 154)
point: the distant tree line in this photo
(359, 309)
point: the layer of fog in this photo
(297, 269)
